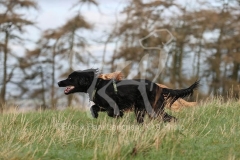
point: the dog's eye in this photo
(69, 78)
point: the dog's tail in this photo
(179, 93)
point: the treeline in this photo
(205, 46)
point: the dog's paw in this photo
(94, 113)
(169, 118)
(116, 110)
(121, 114)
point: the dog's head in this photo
(78, 81)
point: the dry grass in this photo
(210, 128)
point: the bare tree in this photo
(12, 24)
(141, 19)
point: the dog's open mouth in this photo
(68, 89)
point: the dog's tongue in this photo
(68, 89)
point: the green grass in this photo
(210, 131)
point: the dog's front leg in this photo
(94, 110)
(111, 113)
(112, 100)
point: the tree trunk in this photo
(70, 97)
(236, 67)
(53, 104)
(44, 106)
(5, 52)
(217, 64)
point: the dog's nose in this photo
(59, 83)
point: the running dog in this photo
(114, 97)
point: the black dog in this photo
(114, 97)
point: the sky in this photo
(54, 13)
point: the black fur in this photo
(179, 93)
(142, 95)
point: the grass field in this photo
(210, 131)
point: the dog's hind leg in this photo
(159, 109)
(168, 118)
(140, 113)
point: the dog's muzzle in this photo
(61, 84)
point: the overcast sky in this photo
(55, 13)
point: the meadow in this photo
(209, 131)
